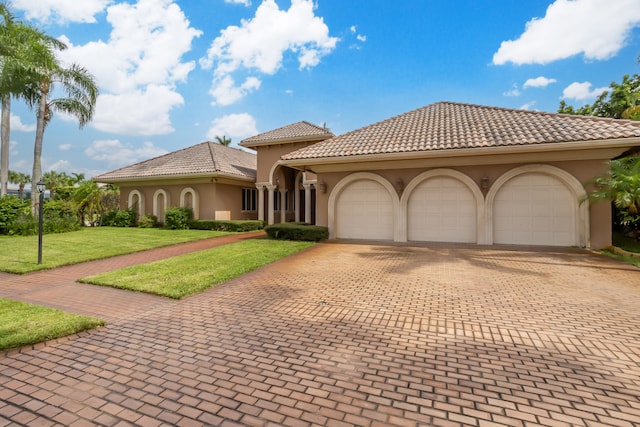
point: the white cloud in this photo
(117, 154)
(528, 105)
(59, 166)
(515, 91)
(144, 52)
(237, 126)
(582, 91)
(225, 91)
(538, 82)
(595, 28)
(259, 44)
(139, 112)
(61, 10)
(242, 2)
(361, 38)
(16, 124)
(65, 147)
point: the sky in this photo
(174, 73)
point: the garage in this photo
(364, 210)
(534, 209)
(442, 209)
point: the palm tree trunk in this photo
(4, 150)
(36, 174)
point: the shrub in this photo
(126, 218)
(297, 231)
(177, 218)
(60, 217)
(24, 224)
(148, 221)
(237, 226)
(10, 210)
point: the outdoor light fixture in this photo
(41, 187)
(399, 185)
(322, 186)
(484, 184)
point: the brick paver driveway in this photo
(344, 335)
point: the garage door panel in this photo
(364, 210)
(534, 209)
(441, 209)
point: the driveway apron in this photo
(357, 335)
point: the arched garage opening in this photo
(538, 205)
(443, 205)
(363, 206)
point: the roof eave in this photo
(291, 140)
(172, 178)
(464, 152)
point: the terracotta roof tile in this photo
(206, 158)
(450, 126)
(297, 131)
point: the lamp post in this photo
(41, 187)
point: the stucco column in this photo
(271, 189)
(307, 203)
(283, 206)
(296, 203)
(260, 188)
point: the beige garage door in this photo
(364, 210)
(534, 209)
(441, 209)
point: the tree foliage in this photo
(621, 101)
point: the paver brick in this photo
(344, 334)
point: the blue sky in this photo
(174, 73)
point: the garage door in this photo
(441, 209)
(534, 209)
(364, 210)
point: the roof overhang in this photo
(207, 177)
(280, 141)
(560, 151)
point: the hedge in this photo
(226, 225)
(297, 231)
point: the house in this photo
(447, 172)
(215, 181)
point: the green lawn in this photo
(186, 275)
(20, 254)
(22, 324)
(627, 244)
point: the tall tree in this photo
(622, 101)
(223, 140)
(81, 92)
(24, 51)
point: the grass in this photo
(20, 254)
(186, 275)
(627, 244)
(23, 324)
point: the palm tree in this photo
(223, 140)
(24, 50)
(19, 178)
(88, 197)
(81, 95)
(621, 185)
(54, 180)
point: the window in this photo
(277, 201)
(249, 196)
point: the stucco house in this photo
(447, 172)
(215, 181)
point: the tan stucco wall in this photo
(211, 197)
(269, 155)
(582, 170)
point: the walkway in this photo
(358, 335)
(58, 287)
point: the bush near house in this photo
(234, 226)
(148, 221)
(297, 231)
(120, 218)
(177, 218)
